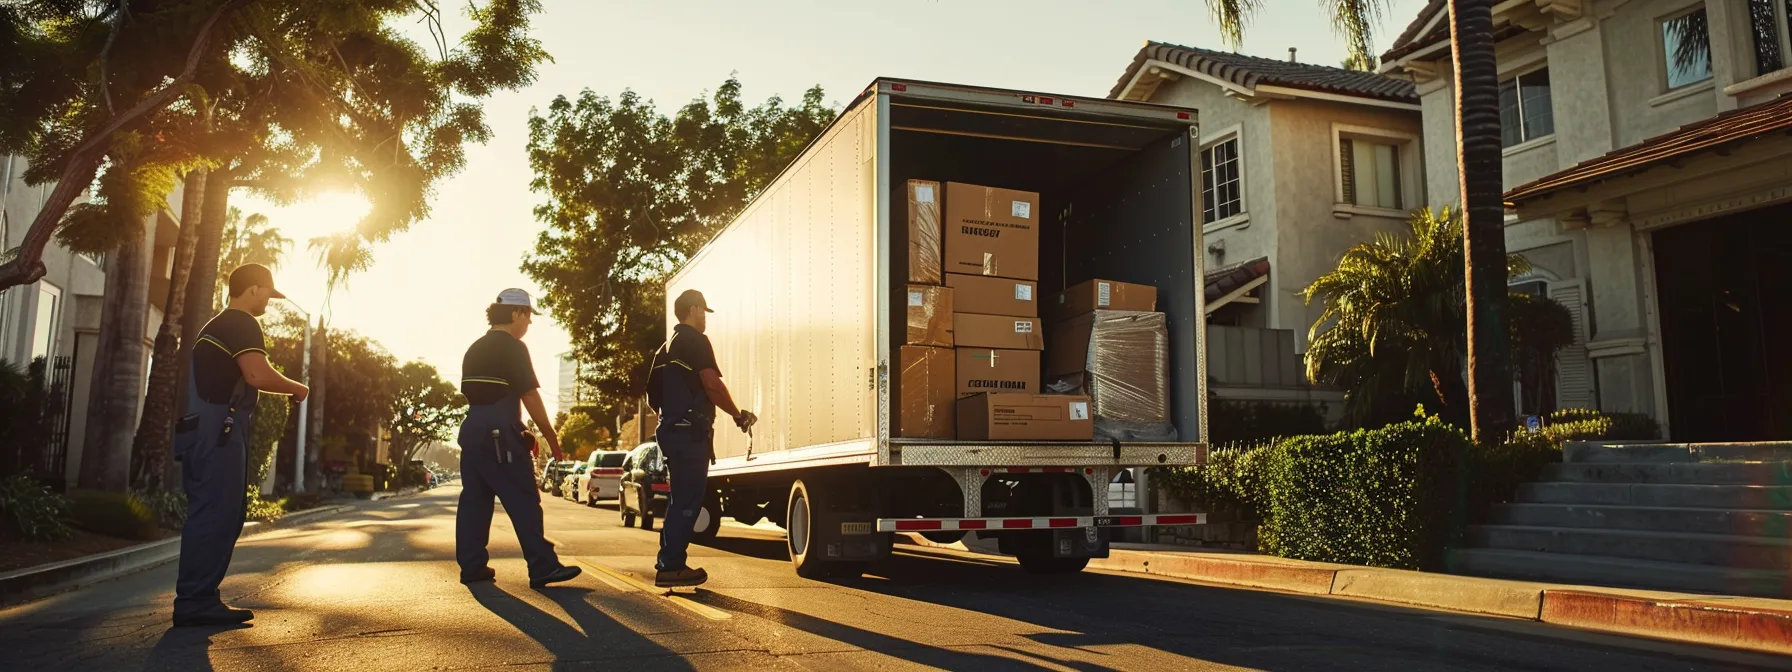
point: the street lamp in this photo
(298, 468)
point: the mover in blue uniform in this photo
(685, 387)
(499, 381)
(229, 367)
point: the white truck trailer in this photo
(809, 281)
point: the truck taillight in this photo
(898, 87)
(1181, 115)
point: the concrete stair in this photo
(1711, 518)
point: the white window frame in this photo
(55, 326)
(1411, 172)
(1546, 138)
(1233, 133)
(1662, 55)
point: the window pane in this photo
(1207, 185)
(46, 324)
(1222, 184)
(1385, 197)
(1511, 125)
(1766, 30)
(1367, 189)
(1533, 96)
(1686, 44)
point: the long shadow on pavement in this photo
(185, 649)
(597, 641)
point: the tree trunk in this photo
(202, 283)
(155, 431)
(1484, 235)
(118, 370)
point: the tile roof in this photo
(1729, 128)
(1251, 71)
(1223, 280)
(1412, 39)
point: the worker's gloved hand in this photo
(745, 420)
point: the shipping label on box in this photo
(930, 316)
(997, 331)
(1025, 417)
(990, 231)
(924, 235)
(928, 388)
(990, 370)
(993, 296)
(1104, 295)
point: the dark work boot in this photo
(214, 615)
(564, 573)
(481, 575)
(678, 578)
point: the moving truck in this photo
(809, 285)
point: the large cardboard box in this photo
(990, 231)
(1102, 295)
(929, 316)
(928, 389)
(992, 370)
(997, 331)
(986, 295)
(1025, 417)
(924, 242)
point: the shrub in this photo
(300, 501)
(169, 506)
(31, 512)
(117, 514)
(1590, 425)
(1382, 498)
(264, 510)
(265, 432)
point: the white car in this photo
(602, 478)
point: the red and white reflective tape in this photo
(955, 524)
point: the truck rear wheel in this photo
(805, 548)
(709, 522)
(1044, 563)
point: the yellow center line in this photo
(603, 574)
(683, 602)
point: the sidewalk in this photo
(1755, 624)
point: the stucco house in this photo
(1648, 177)
(1299, 163)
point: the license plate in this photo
(857, 528)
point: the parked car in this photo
(569, 484)
(553, 475)
(603, 476)
(646, 490)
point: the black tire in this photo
(1041, 563)
(709, 522)
(628, 517)
(800, 540)
(647, 510)
(590, 500)
(943, 537)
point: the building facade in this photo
(1648, 182)
(1299, 163)
(569, 394)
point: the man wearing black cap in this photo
(498, 379)
(685, 387)
(230, 366)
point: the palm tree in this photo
(118, 369)
(341, 254)
(248, 241)
(1392, 327)
(1476, 87)
(154, 441)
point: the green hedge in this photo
(31, 512)
(1389, 497)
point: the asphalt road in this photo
(377, 589)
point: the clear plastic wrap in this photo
(924, 240)
(930, 316)
(1125, 373)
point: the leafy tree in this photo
(1475, 86)
(631, 195)
(363, 377)
(1393, 327)
(580, 434)
(425, 409)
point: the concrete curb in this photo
(1742, 623)
(31, 583)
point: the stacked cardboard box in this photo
(926, 376)
(1111, 345)
(992, 261)
(1025, 417)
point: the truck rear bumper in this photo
(1053, 522)
(1043, 453)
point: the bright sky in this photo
(425, 296)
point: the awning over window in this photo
(1227, 284)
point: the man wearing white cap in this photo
(499, 381)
